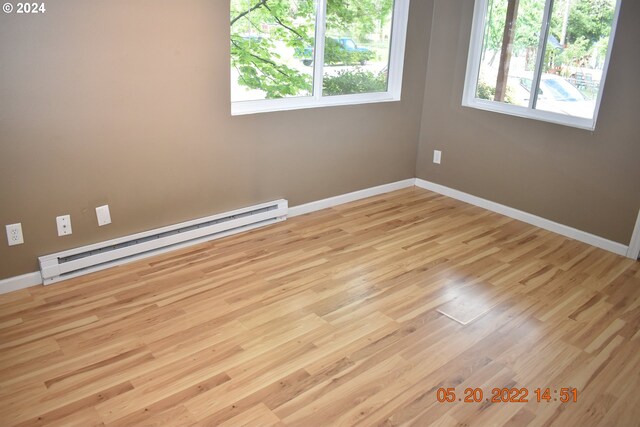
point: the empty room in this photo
(320, 213)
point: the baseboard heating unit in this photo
(76, 262)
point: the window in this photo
(544, 60)
(292, 54)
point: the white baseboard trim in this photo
(634, 245)
(632, 251)
(564, 230)
(20, 282)
(32, 279)
(349, 197)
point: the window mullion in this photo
(544, 36)
(318, 60)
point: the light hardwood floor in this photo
(332, 319)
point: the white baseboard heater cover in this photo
(87, 259)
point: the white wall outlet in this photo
(14, 234)
(103, 214)
(437, 156)
(64, 225)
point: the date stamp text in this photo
(507, 395)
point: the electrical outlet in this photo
(437, 156)
(103, 214)
(64, 225)
(14, 234)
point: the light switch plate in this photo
(437, 156)
(64, 225)
(103, 214)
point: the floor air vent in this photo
(87, 259)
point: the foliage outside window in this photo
(556, 50)
(289, 54)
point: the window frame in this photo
(394, 80)
(469, 98)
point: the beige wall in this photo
(127, 103)
(587, 180)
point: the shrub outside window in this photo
(545, 60)
(292, 54)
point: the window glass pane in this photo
(573, 63)
(509, 50)
(357, 44)
(269, 44)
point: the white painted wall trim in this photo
(632, 251)
(20, 282)
(349, 197)
(564, 230)
(634, 245)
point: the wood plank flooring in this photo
(331, 319)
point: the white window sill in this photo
(527, 113)
(272, 105)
